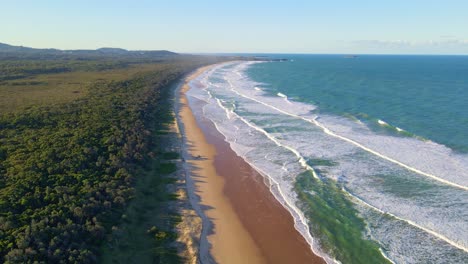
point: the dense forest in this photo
(68, 167)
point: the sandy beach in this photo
(242, 221)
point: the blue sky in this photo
(293, 26)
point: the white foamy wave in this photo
(412, 223)
(344, 128)
(285, 97)
(385, 124)
(281, 189)
(381, 122)
(423, 157)
(235, 128)
(452, 181)
(424, 249)
(245, 85)
(366, 161)
(301, 160)
(410, 208)
(282, 95)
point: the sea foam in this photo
(369, 165)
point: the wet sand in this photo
(242, 221)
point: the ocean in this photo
(368, 153)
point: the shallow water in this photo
(338, 142)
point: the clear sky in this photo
(274, 26)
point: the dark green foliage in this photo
(160, 239)
(170, 155)
(67, 171)
(147, 234)
(167, 168)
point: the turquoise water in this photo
(368, 154)
(426, 95)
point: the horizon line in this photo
(253, 53)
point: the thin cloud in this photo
(405, 43)
(383, 43)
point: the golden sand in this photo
(248, 225)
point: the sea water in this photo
(369, 154)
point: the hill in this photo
(7, 50)
(85, 161)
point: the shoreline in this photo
(242, 221)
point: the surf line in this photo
(439, 236)
(229, 113)
(301, 159)
(329, 132)
(357, 199)
(297, 215)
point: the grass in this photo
(59, 88)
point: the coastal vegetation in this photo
(146, 233)
(77, 142)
